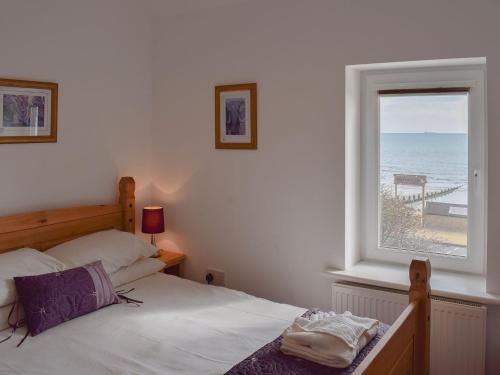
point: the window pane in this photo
(424, 172)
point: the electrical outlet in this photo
(218, 277)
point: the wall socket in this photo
(218, 277)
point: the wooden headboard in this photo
(43, 229)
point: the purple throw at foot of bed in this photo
(270, 360)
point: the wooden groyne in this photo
(430, 195)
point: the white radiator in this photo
(458, 329)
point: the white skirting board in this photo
(458, 328)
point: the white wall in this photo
(100, 54)
(273, 219)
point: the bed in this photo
(183, 327)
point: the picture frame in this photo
(236, 116)
(28, 111)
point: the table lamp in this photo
(153, 222)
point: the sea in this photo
(442, 157)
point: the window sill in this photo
(454, 285)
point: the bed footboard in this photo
(404, 349)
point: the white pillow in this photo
(141, 268)
(114, 248)
(4, 316)
(23, 262)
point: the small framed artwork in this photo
(236, 116)
(28, 111)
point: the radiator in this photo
(458, 328)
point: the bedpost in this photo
(127, 203)
(420, 291)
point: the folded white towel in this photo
(329, 339)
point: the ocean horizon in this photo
(442, 157)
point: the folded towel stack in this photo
(329, 339)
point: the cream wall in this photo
(273, 219)
(100, 54)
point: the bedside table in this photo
(174, 262)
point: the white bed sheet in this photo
(182, 328)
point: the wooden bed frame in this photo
(404, 349)
(44, 229)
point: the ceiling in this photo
(170, 8)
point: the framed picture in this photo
(28, 111)
(236, 116)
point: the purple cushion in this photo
(53, 298)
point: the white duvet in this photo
(182, 328)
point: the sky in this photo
(445, 113)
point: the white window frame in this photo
(420, 78)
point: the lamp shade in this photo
(152, 220)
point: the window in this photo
(423, 170)
(423, 157)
